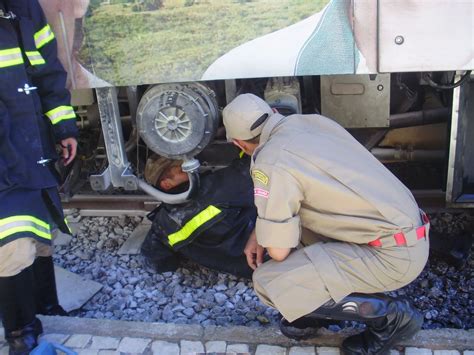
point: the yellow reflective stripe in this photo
(60, 113)
(241, 154)
(20, 229)
(43, 36)
(10, 57)
(35, 58)
(67, 225)
(35, 220)
(197, 221)
(17, 224)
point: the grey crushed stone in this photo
(197, 295)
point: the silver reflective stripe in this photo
(35, 58)
(60, 113)
(10, 57)
(43, 36)
(19, 224)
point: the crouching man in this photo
(212, 229)
(361, 229)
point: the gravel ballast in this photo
(196, 295)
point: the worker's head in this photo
(172, 177)
(244, 119)
(165, 173)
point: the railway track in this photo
(110, 205)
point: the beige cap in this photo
(242, 113)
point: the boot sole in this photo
(298, 333)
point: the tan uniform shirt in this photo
(310, 172)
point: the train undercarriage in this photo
(418, 124)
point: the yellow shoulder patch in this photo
(260, 176)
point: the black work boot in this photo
(400, 321)
(388, 321)
(17, 305)
(45, 288)
(305, 327)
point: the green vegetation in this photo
(181, 39)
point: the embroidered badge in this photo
(260, 176)
(261, 192)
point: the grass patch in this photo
(179, 41)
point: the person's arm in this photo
(253, 252)
(277, 196)
(50, 78)
(279, 254)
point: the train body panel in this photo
(376, 67)
(128, 42)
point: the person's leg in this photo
(156, 256)
(17, 302)
(217, 258)
(304, 283)
(46, 295)
(388, 321)
(293, 286)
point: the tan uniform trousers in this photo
(21, 253)
(311, 276)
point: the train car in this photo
(150, 78)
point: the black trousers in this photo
(215, 257)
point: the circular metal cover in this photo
(177, 120)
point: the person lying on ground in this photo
(212, 229)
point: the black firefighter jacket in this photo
(212, 229)
(35, 109)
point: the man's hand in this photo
(69, 149)
(253, 251)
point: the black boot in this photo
(45, 288)
(388, 321)
(304, 327)
(17, 305)
(400, 321)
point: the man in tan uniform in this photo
(337, 224)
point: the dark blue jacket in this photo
(211, 229)
(31, 120)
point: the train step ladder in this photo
(47, 348)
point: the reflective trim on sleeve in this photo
(43, 36)
(60, 113)
(18, 224)
(35, 58)
(67, 225)
(196, 222)
(10, 57)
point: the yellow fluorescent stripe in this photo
(62, 118)
(43, 36)
(51, 113)
(20, 229)
(60, 113)
(10, 51)
(35, 220)
(9, 63)
(67, 225)
(35, 58)
(10, 57)
(33, 54)
(37, 62)
(197, 221)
